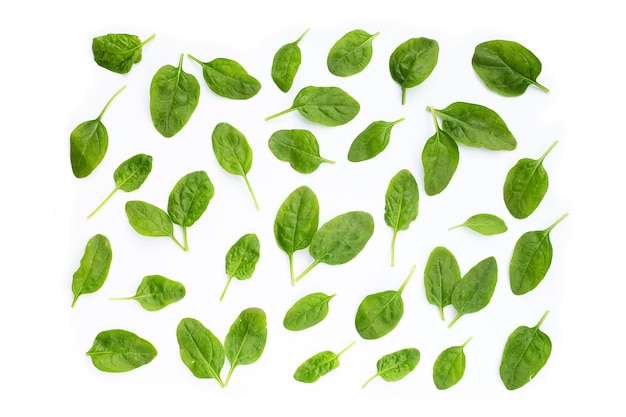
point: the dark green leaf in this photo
(246, 339)
(298, 147)
(485, 224)
(118, 52)
(241, 259)
(190, 198)
(440, 158)
(318, 365)
(401, 204)
(285, 64)
(395, 366)
(229, 79)
(371, 141)
(94, 267)
(120, 351)
(200, 350)
(474, 291)
(307, 311)
(156, 292)
(449, 366)
(412, 62)
(351, 54)
(441, 275)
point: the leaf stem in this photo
(541, 87)
(185, 241)
(369, 380)
(148, 40)
(467, 341)
(306, 271)
(121, 298)
(393, 246)
(178, 243)
(280, 113)
(557, 222)
(443, 317)
(291, 273)
(346, 348)
(406, 281)
(106, 106)
(301, 36)
(103, 203)
(454, 320)
(230, 278)
(403, 95)
(433, 112)
(548, 151)
(542, 318)
(230, 372)
(256, 204)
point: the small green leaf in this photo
(286, 63)
(149, 220)
(318, 365)
(401, 204)
(190, 198)
(118, 52)
(440, 158)
(200, 350)
(474, 291)
(227, 78)
(485, 224)
(120, 351)
(412, 62)
(351, 54)
(449, 366)
(441, 275)
(156, 292)
(241, 259)
(299, 147)
(307, 311)
(395, 366)
(246, 339)
(94, 267)
(371, 141)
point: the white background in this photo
(51, 84)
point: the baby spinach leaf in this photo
(526, 351)
(351, 54)
(246, 339)
(299, 147)
(286, 63)
(94, 267)
(371, 141)
(118, 52)
(329, 106)
(474, 291)
(412, 62)
(149, 220)
(531, 259)
(89, 142)
(401, 204)
(241, 259)
(120, 351)
(476, 126)
(174, 96)
(340, 239)
(296, 222)
(506, 67)
(307, 311)
(441, 275)
(525, 186)
(233, 153)
(200, 350)
(485, 224)
(156, 292)
(380, 313)
(449, 366)
(129, 176)
(440, 158)
(318, 365)
(395, 366)
(227, 78)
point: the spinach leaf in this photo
(449, 366)
(526, 351)
(506, 67)
(150, 220)
(174, 96)
(340, 239)
(89, 142)
(286, 63)
(531, 259)
(476, 126)
(351, 54)
(94, 267)
(318, 365)
(200, 350)
(485, 224)
(474, 291)
(440, 158)
(380, 313)
(296, 222)
(525, 186)
(441, 275)
(371, 141)
(412, 62)
(120, 351)
(395, 366)
(307, 311)
(118, 52)
(156, 292)
(241, 259)
(129, 176)
(227, 78)
(329, 106)
(299, 147)
(233, 153)
(246, 339)
(401, 204)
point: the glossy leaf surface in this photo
(351, 54)
(342, 238)
(120, 351)
(474, 291)
(241, 259)
(228, 78)
(190, 198)
(449, 366)
(412, 62)
(371, 141)
(148, 219)
(286, 63)
(401, 204)
(156, 292)
(200, 350)
(94, 267)
(318, 365)
(441, 275)
(246, 339)
(307, 311)
(299, 147)
(484, 223)
(118, 52)
(440, 158)
(395, 366)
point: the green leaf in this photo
(351, 54)
(449, 366)
(441, 275)
(246, 339)
(286, 63)
(532, 256)
(318, 365)
(149, 220)
(307, 311)
(118, 52)
(412, 62)
(485, 224)
(395, 366)
(525, 186)
(89, 142)
(476, 126)
(371, 141)
(474, 291)
(120, 351)
(174, 96)
(241, 259)
(526, 352)
(227, 78)
(401, 204)
(298, 147)
(329, 106)
(506, 67)
(379, 313)
(190, 198)
(200, 350)
(233, 153)
(440, 158)
(94, 267)
(156, 292)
